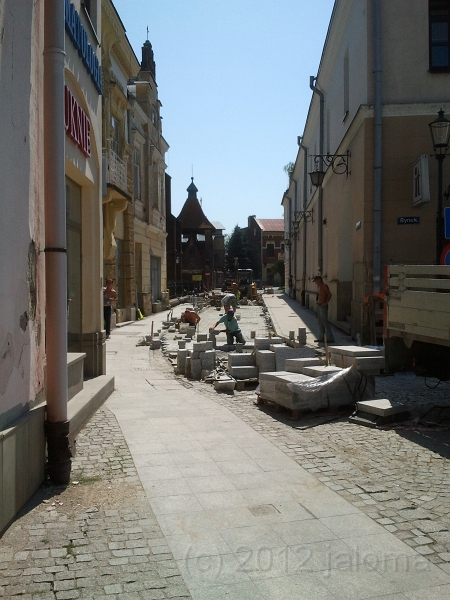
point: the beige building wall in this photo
(85, 172)
(411, 99)
(22, 293)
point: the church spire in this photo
(192, 191)
(148, 60)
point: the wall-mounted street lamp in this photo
(307, 215)
(440, 134)
(337, 162)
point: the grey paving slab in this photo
(232, 591)
(412, 573)
(439, 592)
(356, 582)
(353, 525)
(302, 587)
(197, 544)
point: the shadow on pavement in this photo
(435, 441)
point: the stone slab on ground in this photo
(363, 363)
(316, 371)
(381, 406)
(296, 365)
(284, 352)
(265, 343)
(355, 351)
(238, 359)
(244, 372)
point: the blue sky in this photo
(233, 79)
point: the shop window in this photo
(439, 35)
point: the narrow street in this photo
(178, 491)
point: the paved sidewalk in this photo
(241, 518)
(288, 315)
(183, 492)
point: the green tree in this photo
(278, 267)
(289, 169)
(237, 247)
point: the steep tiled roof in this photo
(192, 215)
(271, 224)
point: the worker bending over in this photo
(189, 316)
(232, 328)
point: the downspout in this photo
(294, 289)
(377, 148)
(290, 237)
(321, 95)
(305, 191)
(56, 424)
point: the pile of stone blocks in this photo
(265, 361)
(299, 340)
(242, 365)
(283, 352)
(203, 359)
(369, 361)
(300, 392)
(198, 361)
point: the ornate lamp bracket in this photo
(338, 162)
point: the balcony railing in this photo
(116, 170)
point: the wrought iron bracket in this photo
(338, 162)
(307, 215)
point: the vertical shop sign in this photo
(77, 123)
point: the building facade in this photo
(202, 246)
(377, 89)
(266, 247)
(83, 177)
(50, 242)
(134, 220)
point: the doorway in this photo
(155, 278)
(74, 278)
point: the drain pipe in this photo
(305, 191)
(294, 289)
(377, 148)
(56, 424)
(321, 95)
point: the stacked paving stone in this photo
(369, 361)
(198, 361)
(242, 365)
(298, 341)
(306, 383)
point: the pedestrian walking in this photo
(291, 285)
(323, 299)
(109, 297)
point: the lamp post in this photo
(440, 133)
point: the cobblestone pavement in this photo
(398, 477)
(97, 538)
